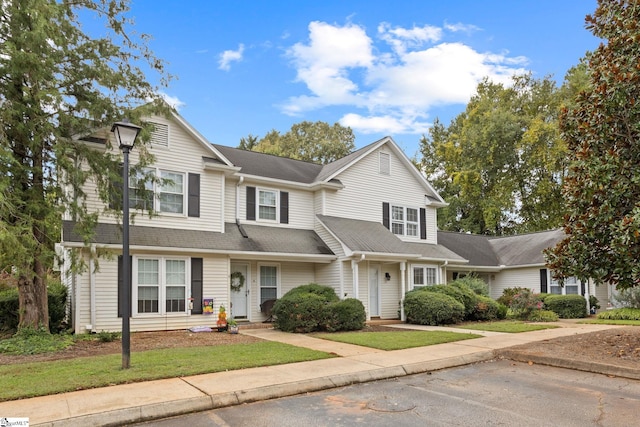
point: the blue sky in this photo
(380, 67)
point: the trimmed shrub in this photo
(524, 303)
(9, 315)
(346, 315)
(543, 316)
(325, 292)
(620, 314)
(486, 309)
(477, 285)
(508, 294)
(57, 301)
(459, 292)
(432, 308)
(502, 311)
(300, 312)
(567, 306)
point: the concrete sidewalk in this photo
(129, 403)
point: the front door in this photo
(374, 291)
(239, 285)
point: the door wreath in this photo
(237, 281)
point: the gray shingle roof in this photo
(260, 239)
(269, 166)
(368, 236)
(485, 251)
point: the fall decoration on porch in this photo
(222, 319)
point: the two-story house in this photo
(239, 228)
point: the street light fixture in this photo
(126, 134)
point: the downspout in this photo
(238, 197)
(403, 287)
(92, 289)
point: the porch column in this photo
(403, 288)
(354, 270)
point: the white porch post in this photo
(403, 288)
(354, 270)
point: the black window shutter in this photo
(284, 207)
(385, 214)
(196, 285)
(583, 288)
(543, 280)
(423, 223)
(251, 203)
(121, 291)
(115, 193)
(194, 195)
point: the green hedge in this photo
(567, 306)
(487, 309)
(313, 307)
(432, 308)
(542, 316)
(346, 315)
(57, 302)
(460, 292)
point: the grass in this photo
(508, 326)
(396, 340)
(25, 380)
(612, 322)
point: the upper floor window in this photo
(267, 204)
(404, 221)
(170, 191)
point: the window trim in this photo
(278, 280)
(276, 206)
(405, 221)
(156, 189)
(552, 283)
(423, 267)
(162, 286)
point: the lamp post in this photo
(126, 134)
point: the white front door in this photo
(374, 291)
(239, 285)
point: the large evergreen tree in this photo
(57, 85)
(602, 131)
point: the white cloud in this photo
(173, 101)
(460, 27)
(229, 56)
(342, 66)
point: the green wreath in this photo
(236, 285)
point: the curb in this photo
(594, 367)
(209, 402)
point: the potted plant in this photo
(222, 319)
(232, 326)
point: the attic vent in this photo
(160, 134)
(385, 166)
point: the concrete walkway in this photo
(137, 402)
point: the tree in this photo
(501, 162)
(248, 143)
(57, 85)
(602, 130)
(316, 142)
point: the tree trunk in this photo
(32, 296)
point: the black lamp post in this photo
(126, 134)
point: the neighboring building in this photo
(238, 228)
(514, 261)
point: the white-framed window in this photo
(167, 196)
(424, 275)
(267, 205)
(385, 164)
(160, 285)
(171, 192)
(404, 221)
(269, 275)
(571, 287)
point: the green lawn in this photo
(43, 378)
(396, 340)
(612, 322)
(509, 326)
